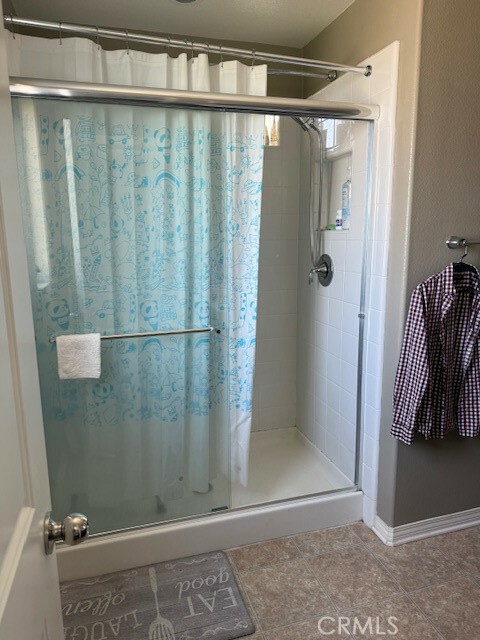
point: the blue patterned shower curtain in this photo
(138, 220)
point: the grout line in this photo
(425, 617)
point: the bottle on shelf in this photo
(346, 198)
(338, 220)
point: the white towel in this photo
(78, 356)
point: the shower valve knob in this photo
(72, 530)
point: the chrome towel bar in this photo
(168, 332)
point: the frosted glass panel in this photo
(141, 220)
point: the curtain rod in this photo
(149, 97)
(63, 28)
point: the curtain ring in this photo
(127, 42)
(221, 57)
(60, 32)
(254, 53)
(169, 45)
(98, 40)
(12, 26)
(193, 53)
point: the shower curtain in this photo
(138, 220)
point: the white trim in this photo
(393, 536)
(117, 552)
(13, 554)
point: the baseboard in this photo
(393, 536)
(121, 551)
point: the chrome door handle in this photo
(72, 530)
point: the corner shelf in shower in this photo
(341, 150)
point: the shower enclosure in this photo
(230, 375)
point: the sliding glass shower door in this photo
(143, 221)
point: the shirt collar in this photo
(447, 276)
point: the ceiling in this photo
(282, 22)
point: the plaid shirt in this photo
(437, 388)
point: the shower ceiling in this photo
(277, 22)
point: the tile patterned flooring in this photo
(432, 587)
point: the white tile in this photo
(335, 289)
(278, 227)
(321, 336)
(337, 252)
(276, 326)
(350, 348)
(334, 369)
(321, 386)
(278, 252)
(383, 192)
(265, 374)
(375, 320)
(321, 414)
(335, 313)
(381, 223)
(348, 432)
(379, 258)
(385, 147)
(348, 406)
(332, 397)
(352, 288)
(276, 350)
(386, 101)
(274, 394)
(370, 452)
(359, 188)
(373, 358)
(333, 422)
(322, 307)
(350, 318)
(278, 278)
(277, 303)
(371, 421)
(321, 362)
(372, 390)
(369, 482)
(378, 285)
(346, 462)
(354, 256)
(334, 341)
(331, 447)
(369, 511)
(349, 377)
(278, 416)
(272, 169)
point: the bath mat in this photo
(188, 599)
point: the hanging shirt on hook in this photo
(437, 388)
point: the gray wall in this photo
(435, 478)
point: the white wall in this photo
(275, 370)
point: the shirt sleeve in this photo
(412, 373)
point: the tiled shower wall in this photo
(327, 338)
(379, 89)
(274, 404)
